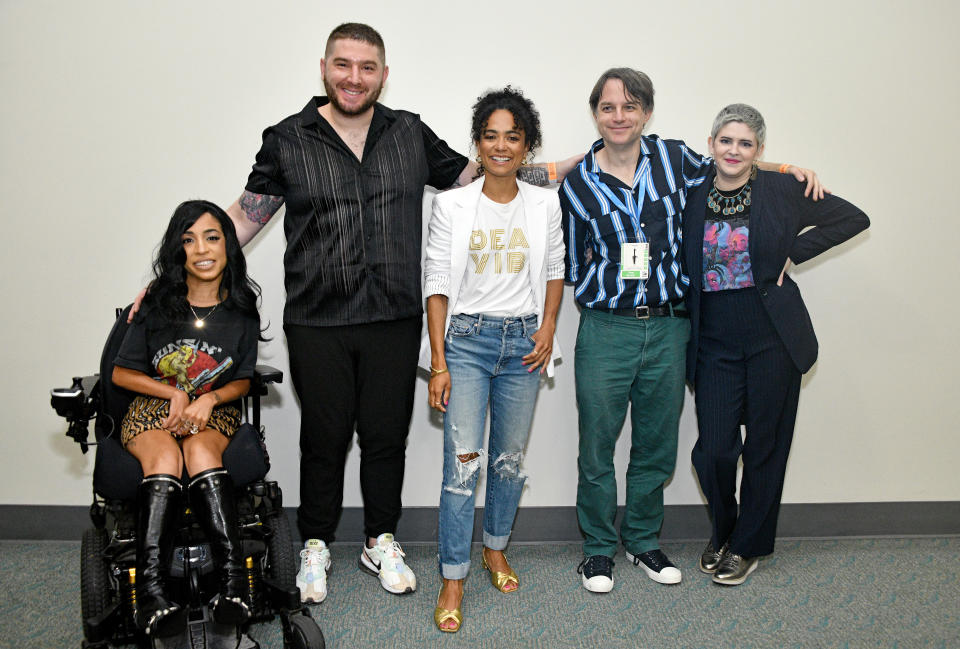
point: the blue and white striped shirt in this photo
(601, 213)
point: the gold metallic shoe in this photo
(441, 615)
(734, 569)
(710, 559)
(501, 579)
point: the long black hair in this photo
(167, 296)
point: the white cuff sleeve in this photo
(438, 284)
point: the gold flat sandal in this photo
(441, 615)
(501, 579)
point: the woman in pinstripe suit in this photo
(751, 336)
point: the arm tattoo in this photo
(534, 175)
(260, 208)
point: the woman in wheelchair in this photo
(189, 355)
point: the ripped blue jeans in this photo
(484, 357)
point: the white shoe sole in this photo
(310, 595)
(368, 566)
(738, 581)
(597, 584)
(666, 576)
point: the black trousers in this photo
(356, 377)
(744, 376)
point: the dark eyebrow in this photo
(207, 231)
(347, 60)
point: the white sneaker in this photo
(385, 560)
(314, 566)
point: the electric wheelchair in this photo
(108, 549)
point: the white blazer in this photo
(451, 222)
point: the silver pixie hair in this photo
(745, 114)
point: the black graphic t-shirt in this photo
(194, 359)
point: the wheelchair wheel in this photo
(282, 564)
(94, 573)
(305, 634)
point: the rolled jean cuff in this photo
(455, 571)
(494, 542)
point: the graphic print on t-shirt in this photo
(508, 255)
(726, 254)
(188, 364)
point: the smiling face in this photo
(734, 149)
(353, 75)
(620, 118)
(206, 250)
(502, 145)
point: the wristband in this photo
(783, 168)
(434, 372)
(552, 171)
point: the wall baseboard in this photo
(559, 524)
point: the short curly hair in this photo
(525, 114)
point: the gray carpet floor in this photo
(886, 593)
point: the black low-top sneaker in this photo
(596, 572)
(657, 566)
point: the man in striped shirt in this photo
(622, 214)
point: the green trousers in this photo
(619, 361)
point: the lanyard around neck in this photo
(631, 204)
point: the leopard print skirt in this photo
(148, 413)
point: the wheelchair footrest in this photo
(287, 599)
(203, 632)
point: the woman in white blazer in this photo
(493, 281)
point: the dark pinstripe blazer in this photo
(778, 214)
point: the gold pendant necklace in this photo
(198, 323)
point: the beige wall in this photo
(113, 112)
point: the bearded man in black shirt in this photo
(351, 173)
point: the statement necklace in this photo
(728, 204)
(198, 323)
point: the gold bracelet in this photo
(783, 168)
(434, 372)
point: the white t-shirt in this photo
(496, 281)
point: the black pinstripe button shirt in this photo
(353, 227)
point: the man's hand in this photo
(814, 187)
(137, 301)
(566, 166)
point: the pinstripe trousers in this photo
(744, 376)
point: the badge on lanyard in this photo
(635, 260)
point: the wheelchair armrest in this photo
(264, 375)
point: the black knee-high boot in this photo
(158, 508)
(213, 503)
